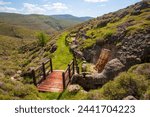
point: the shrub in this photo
(80, 95)
(95, 95)
(124, 85)
(108, 34)
(147, 95)
(42, 39)
(16, 90)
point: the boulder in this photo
(112, 68)
(130, 97)
(93, 81)
(103, 23)
(19, 72)
(53, 49)
(74, 88)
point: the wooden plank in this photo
(63, 77)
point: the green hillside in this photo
(130, 19)
(38, 22)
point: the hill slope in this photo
(41, 22)
(19, 32)
(125, 32)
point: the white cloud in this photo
(33, 9)
(42, 9)
(59, 6)
(56, 6)
(4, 3)
(29, 8)
(94, 1)
(8, 9)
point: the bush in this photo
(95, 95)
(124, 85)
(80, 95)
(108, 34)
(42, 39)
(10, 89)
(147, 95)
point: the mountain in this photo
(36, 22)
(71, 18)
(27, 25)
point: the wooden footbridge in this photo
(47, 79)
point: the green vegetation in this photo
(62, 56)
(21, 48)
(49, 95)
(38, 22)
(14, 90)
(42, 39)
(102, 28)
(135, 82)
(80, 95)
(124, 85)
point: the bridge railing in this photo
(68, 73)
(39, 74)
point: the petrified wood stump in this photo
(103, 59)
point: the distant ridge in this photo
(41, 22)
(71, 17)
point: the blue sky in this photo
(75, 7)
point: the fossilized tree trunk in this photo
(103, 59)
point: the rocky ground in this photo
(129, 43)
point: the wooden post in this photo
(34, 78)
(51, 65)
(69, 71)
(43, 67)
(73, 66)
(77, 69)
(63, 79)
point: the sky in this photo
(79, 8)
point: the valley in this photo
(26, 41)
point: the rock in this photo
(141, 5)
(136, 12)
(19, 72)
(72, 47)
(16, 77)
(84, 67)
(2, 75)
(53, 49)
(112, 68)
(1, 84)
(93, 81)
(102, 23)
(78, 54)
(12, 78)
(83, 91)
(74, 88)
(129, 98)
